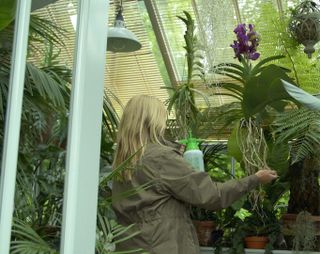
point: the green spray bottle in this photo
(193, 154)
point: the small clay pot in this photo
(256, 242)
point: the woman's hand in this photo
(266, 175)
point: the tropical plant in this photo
(182, 99)
(109, 233)
(253, 87)
(27, 240)
(261, 221)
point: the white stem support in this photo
(13, 122)
(83, 150)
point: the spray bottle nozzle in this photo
(190, 142)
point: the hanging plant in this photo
(251, 85)
(183, 98)
(305, 25)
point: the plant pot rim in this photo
(257, 238)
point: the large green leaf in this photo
(264, 89)
(301, 96)
(278, 156)
(233, 146)
(7, 12)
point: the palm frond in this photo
(42, 30)
(45, 85)
(27, 241)
(109, 233)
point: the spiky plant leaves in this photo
(47, 86)
(258, 68)
(109, 233)
(42, 30)
(28, 241)
(183, 97)
(244, 72)
(110, 118)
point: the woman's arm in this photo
(197, 188)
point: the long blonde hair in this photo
(143, 121)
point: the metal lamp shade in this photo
(120, 39)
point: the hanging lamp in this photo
(120, 39)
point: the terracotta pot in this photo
(256, 242)
(204, 230)
(288, 221)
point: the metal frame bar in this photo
(162, 41)
(84, 136)
(237, 10)
(13, 122)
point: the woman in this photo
(161, 211)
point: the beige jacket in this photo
(161, 212)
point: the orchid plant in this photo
(251, 83)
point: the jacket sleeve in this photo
(197, 188)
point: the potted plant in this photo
(259, 230)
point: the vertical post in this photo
(233, 167)
(83, 150)
(13, 121)
(237, 11)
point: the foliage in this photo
(215, 160)
(261, 222)
(301, 127)
(7, 11)
(27, 240)
(254, 87)
(304, 233)
(202, 214)
(109, 233)
(183, 97)
(277, 40)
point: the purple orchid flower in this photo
(246, 43)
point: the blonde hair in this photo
(143, 121)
